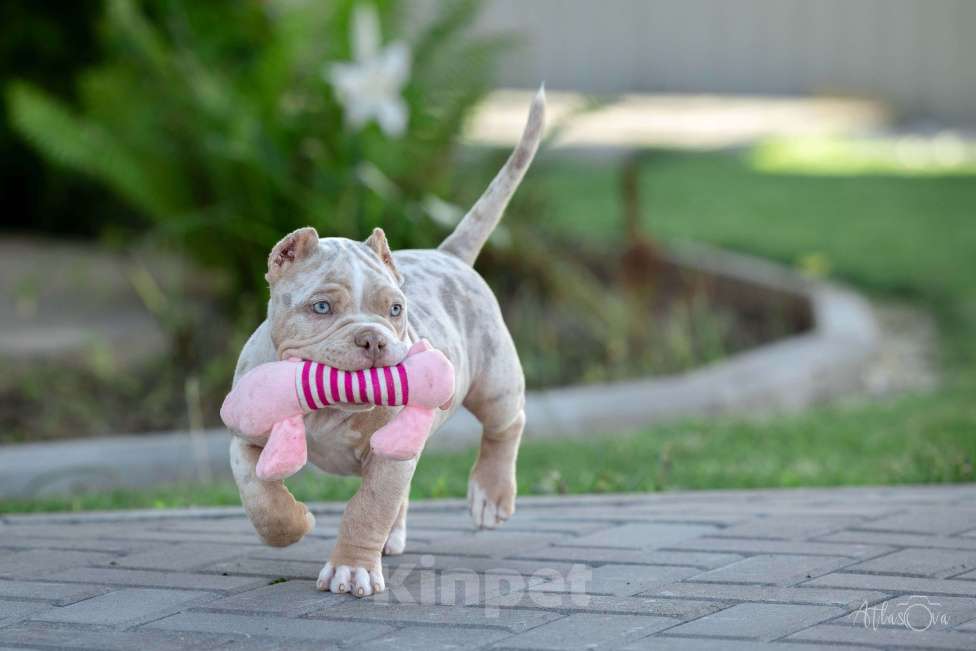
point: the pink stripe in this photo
(390, 391)
(361, 382)
(320, 384)
(404, 387)
(334, 384)
(374, 376)
(306, 389)
(349, 396)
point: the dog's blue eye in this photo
(322, 307)
(396, 309)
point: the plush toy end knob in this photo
(403, 437)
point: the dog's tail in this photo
(473, 231)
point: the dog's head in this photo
(337, 301)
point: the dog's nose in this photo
(371, 341)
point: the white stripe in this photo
(313, 385)
(381, 376)
(360, 391)
(397, 389)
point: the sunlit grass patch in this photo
(939, 155)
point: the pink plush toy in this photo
(274, 397)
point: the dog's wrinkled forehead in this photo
(341, 261)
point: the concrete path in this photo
(832, 568)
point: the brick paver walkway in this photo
(835, 568)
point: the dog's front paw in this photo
(490, 502)
(355, 580)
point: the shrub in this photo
(219, 123)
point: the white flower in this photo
(369, 87)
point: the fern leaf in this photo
(79, 144)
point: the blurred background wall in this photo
(919, 55)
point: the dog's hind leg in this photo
(278, 518)
(491, 487)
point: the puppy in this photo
(356, 305)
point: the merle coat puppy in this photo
(356, 305)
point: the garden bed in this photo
(661, 315)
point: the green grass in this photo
(912, 237)
(913, 440)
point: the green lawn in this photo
(893, 235)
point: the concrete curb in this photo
(827, 362)
(955, 494)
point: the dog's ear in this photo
(378, 244)
(292, 248)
